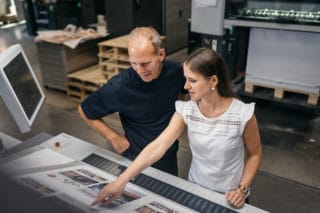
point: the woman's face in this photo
(199, 86)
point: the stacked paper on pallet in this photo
(286, 59)
(70, 36)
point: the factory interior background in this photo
(285, 32)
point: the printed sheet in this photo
(78, 186)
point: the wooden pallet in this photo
(113, 56)
(112, 67)
(114, 53)
(82, 83)
(8, 19)
(120, 42)
(279, 92)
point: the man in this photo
(144, 95)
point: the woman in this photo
(220, 130)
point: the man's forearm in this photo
(100, 126)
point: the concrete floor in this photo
(289, 177)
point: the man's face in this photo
(144, 60)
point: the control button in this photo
(57, 144)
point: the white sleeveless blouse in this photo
(216, 144)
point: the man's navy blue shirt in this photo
(145, 108)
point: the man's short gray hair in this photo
(148, 33)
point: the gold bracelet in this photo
(243, 188)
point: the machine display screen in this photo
(23, 84)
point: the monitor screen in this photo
(19, 87)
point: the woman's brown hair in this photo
(207, 62)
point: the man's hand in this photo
(236, 198)
(111, 191)
(120, 143)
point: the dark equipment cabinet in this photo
(30, 17)
(176, 23)
(43, 16)
(123, 15)
(168, 17)
(80, 13)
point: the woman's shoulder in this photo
(244, 110)
(182, 106)
(239, 104)
(185, 103)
